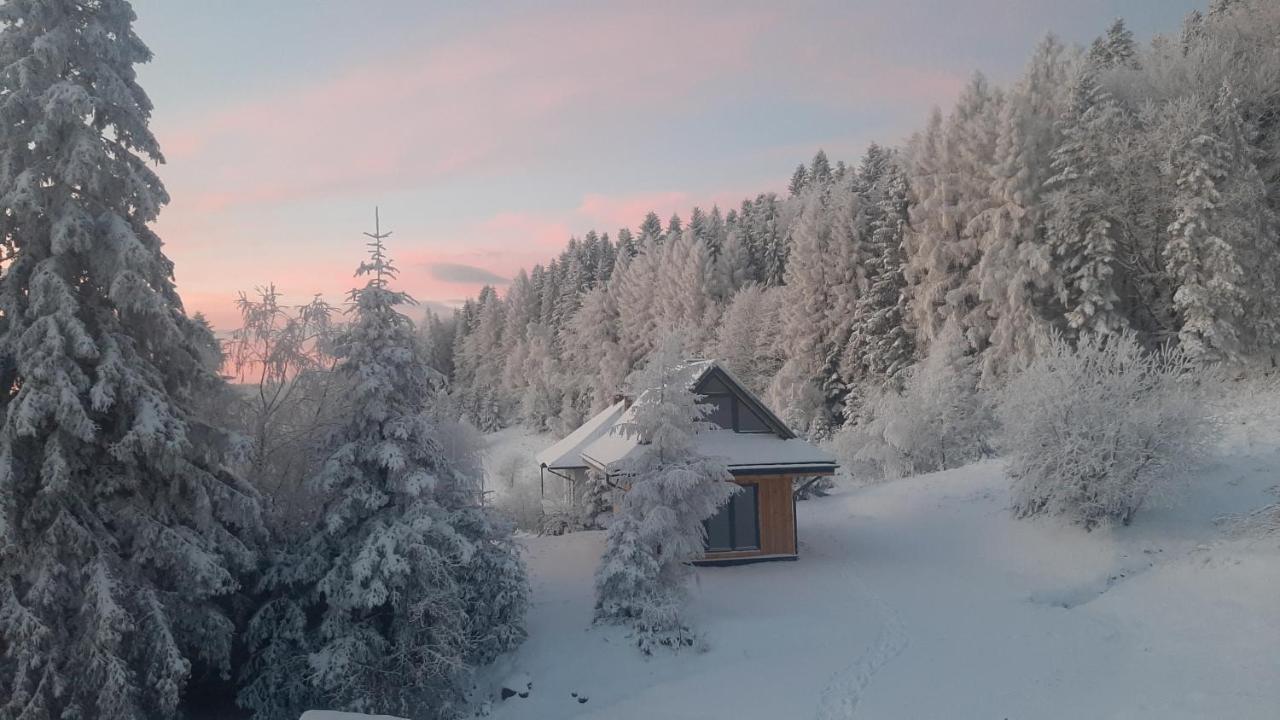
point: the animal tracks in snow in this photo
(840, 697)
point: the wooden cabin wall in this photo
(777, 518)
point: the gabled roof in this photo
(715, 370)
(597, 444)
(742, 453)
(567, 454)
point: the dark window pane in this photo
(750, 422)
(721, 410)
(746, 526)
(719, 530)
(713, 386)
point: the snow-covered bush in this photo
(510, 469)
(521, 504)
(584, 504)
(658, 528)
(460, 442)
(285, 402)
(940, 420)
(1092, 431)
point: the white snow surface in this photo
(923, 598)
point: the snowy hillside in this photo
(922, 598)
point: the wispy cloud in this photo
(460, 273)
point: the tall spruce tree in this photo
(1202, 263)
(121, 529)
(1116, 48)
(1083, 217)
(881, 345)
(406, 581)
(671, 489)
(798, 390)
(1015, 275)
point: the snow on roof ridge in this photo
(567, 452)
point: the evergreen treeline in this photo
(1111, 188)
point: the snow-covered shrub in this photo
(287, 400)
(940, 420)
(658, 528)
(584, 504)
(521, 504)
(510, 469)
(460, 442)
(1092, 431)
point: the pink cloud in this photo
(498, 97)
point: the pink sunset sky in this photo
(488, 133)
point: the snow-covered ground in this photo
(922, 598)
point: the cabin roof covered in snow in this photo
(742, 452)
(567, 453)
(599, 444)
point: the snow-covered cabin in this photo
(764, 455)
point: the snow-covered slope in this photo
(923, 599)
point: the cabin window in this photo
(731, 413)
(749, 421)
(721, 410)
(713, 386)
(737, 525)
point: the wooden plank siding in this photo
(777, 517)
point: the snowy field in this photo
(922, 598)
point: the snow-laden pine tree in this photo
(763, 223)
(1201, 262)
(541, 401)
(591, 345)
(733, 268)
(881, 345)
(669, 491)
(1083, 217)
(1116, 48)
(852, 213)
(482, 358)
(634, 294)
(950, 173)
(747, 337)
(1015, 274)
(1250, 225)
(799, 181)
(798, 390)
(406, 581)
(122, 532)
(682, 295)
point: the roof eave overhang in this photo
(791, 469)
